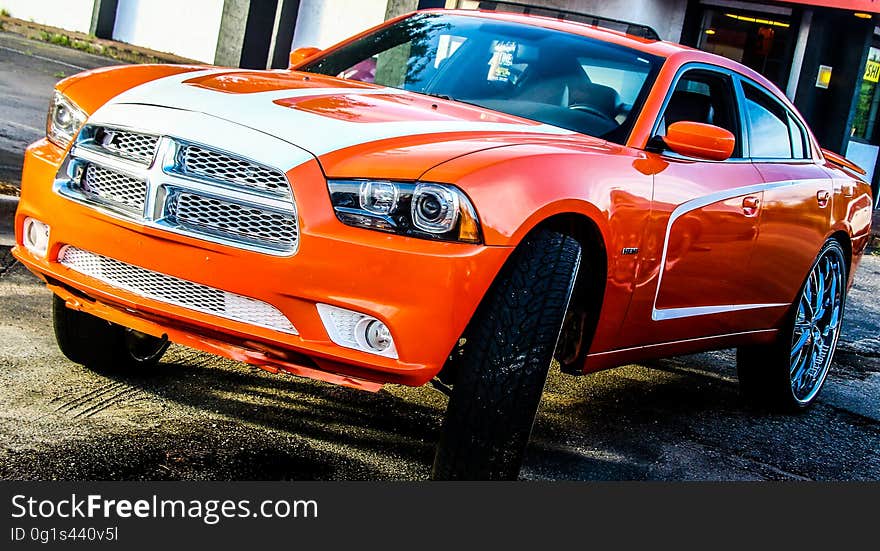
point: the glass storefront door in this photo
(864, 140)
(762, 42)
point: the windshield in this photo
(565, 80)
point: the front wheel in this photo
(101, 345)
(508, 348)
(788, 374)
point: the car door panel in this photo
(693, 277)
(794, 224)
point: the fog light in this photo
(35, 237)
(358, 331)
(377, 336)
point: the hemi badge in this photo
(630, 250)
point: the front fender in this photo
(514, 188)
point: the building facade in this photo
(824, 54)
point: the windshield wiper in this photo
(441, 96)
(447, 97)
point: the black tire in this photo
(500, 376)
(767, 373)
(101, 345)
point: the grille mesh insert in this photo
(114, 188)
(233, 220)
(131, 145)
(213, 164)
(172, 290)
(197, 190)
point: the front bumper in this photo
(425, 292)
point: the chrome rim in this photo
(817, 326)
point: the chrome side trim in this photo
(681, 341)
(660, 314)
(676, 313)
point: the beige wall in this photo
(73, 15)
(323, 23)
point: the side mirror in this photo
(301, 54)
(703, 141)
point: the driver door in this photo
(693, 275)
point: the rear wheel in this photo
(101, 345)
(788, 374)
(500, 375)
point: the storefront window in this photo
(865, 117)
(757, 41)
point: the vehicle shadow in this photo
(372, 435)
(391, 434)
(675, 419)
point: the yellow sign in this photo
(823, 79)
(872, 71)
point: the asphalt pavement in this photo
(197, 416)
(28, 72)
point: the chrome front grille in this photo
(186, 188)
(198, 161)
(176, 291)
(113, 188)
(232, 220)
(130, 145)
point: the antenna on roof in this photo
(633, 29)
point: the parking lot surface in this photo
(201, 417)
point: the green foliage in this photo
(60, 39)
(5, 13)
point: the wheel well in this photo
(586, 301)
(844, 239)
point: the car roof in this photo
(660, 48)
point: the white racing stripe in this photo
(660, 314)
(315, 133)
(203, 129)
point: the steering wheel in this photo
(589, 109)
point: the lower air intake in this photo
(172, 290)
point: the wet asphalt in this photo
(197, 416)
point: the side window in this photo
(770, 130)
(703, 96)
(800, 145)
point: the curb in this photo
(8, 204)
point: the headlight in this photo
(64, 120)
(428, 211)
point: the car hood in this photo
(354, 129)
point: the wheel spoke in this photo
(834, 300)
(819, 296)
(801, 341)
(799, 366)
(807, 297)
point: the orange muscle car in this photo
(453, 196)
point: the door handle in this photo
(750, 205)
(823, 197)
